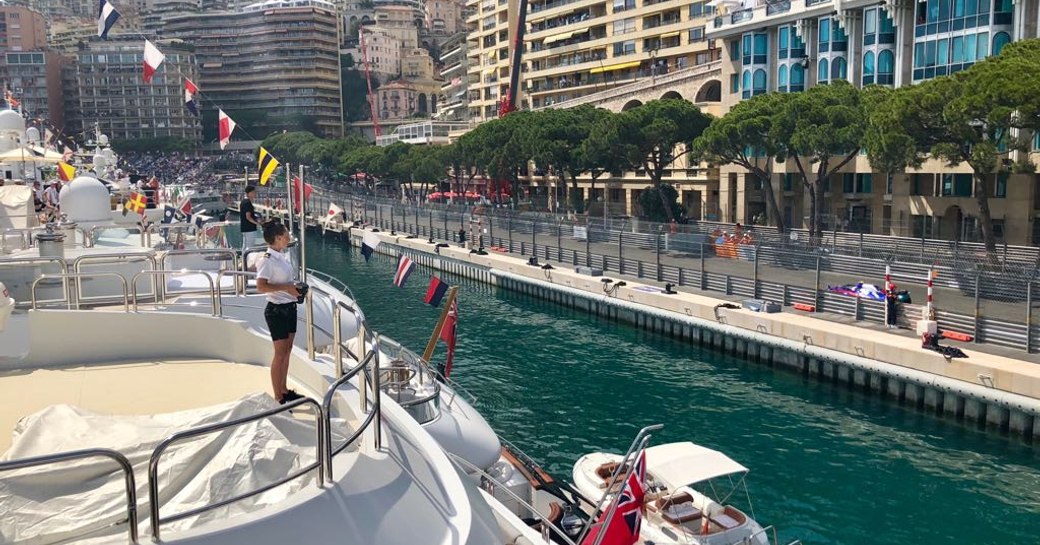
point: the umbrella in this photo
(435, 195)
(452, 194)
(472, 195)
(27, 154)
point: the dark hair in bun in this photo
(272, 230)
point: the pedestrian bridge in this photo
(701, 85)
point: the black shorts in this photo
(281, 320)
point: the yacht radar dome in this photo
(11, 122)
(86, 200)
(32, 135)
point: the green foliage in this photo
(744, 137)
(823, 129)
(163, 144)
(652, 202)
(554, 139)
(971, 117)
(650, 133)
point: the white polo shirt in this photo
(276, 268)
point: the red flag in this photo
(623, 527)
(449, 334)
(307, 190)
(153, 59)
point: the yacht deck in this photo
(127, 388)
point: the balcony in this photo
(742, 15)
(810, 3)
(780, 6)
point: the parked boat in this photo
(689, 490)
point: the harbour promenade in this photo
(985, 388)
(994, 304)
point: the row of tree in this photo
(981, 116)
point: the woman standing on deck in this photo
(274, 276)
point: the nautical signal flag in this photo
(449, 333)
(333, 211)
(190, 90)
(266, 165)
(107, 16)
(436, 291)
(405, 266)
(11, 102)
(307, 190)
(153, 59)
(369, 242)
(66, 171)
(226, 126)
(136, 203)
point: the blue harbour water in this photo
(828, 465)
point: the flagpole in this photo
(428, 353)
(303, 228)
(288, 189)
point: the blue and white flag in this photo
(368, 244)
(405, 266)
(107, 16)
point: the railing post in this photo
(310, 324)
(754, 277)
(377, 387)
(704, 275)
(816, 289)
(620, 252)
(975, 325)
(658, 252)
(337, 340)
(1029, 317)
(588, 244)
(363, 381)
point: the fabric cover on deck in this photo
(54, 503)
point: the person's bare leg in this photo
(280, 367)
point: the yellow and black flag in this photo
(266, 165)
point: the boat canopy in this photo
(681, 464)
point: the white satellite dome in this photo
(11, 121)
(103, 140)
(86, 200)
(32, 135)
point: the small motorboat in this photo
(676, 508)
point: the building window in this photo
(627, 47)
(839, 68)
(848, 183)
(734, 50)
(745, 48)
(734, 83)
(745, 84)
(868, 68)
(825, 34)
(1000, 39)
(759, 82)
(783, 42)
(761, 48)
(886, 67)
(822, 71)
(781, 78)
(870, 26)
(797, 78)
(624, 5)
(697, 34)
(788, 181)
(864, 183)
(1000, 190)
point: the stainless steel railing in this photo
(373, 415)
(104, 259)
(160, 298)
(207, 254)
(153, 463)
(468, 467)
(124, 464)
(78, 277)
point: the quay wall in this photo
(985, 390)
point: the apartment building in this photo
(272, 65)
(109, 90)
(791, 45)
(454, 80)
(578, 47)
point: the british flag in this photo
(623, 527)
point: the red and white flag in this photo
(334, 211)
(623, 527)
(226, 125)
(153, 58)
(405, 266)
(449, 333)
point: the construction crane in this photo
(368, 80)
(508, 103)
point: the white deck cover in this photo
(681, 464)
(89, 494)
(16, 207)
